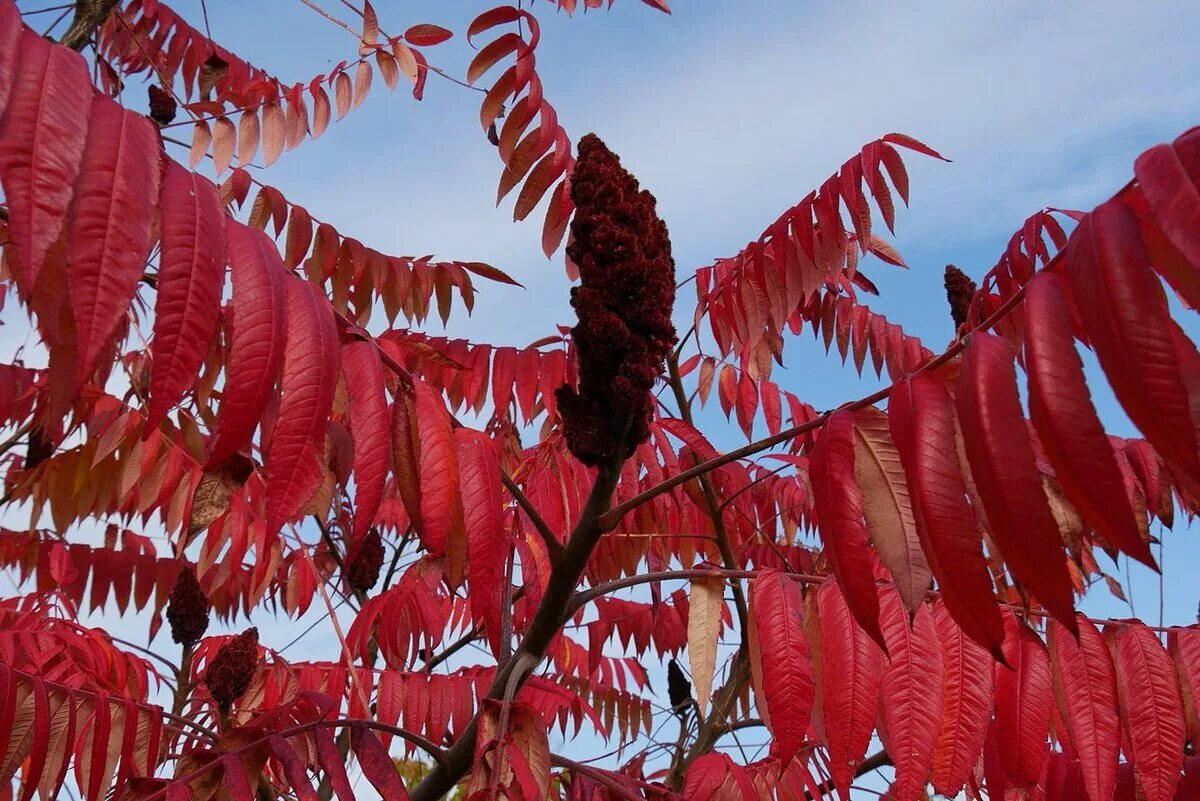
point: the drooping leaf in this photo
(839, 505)
(191, 275)
(998, 449)
(1168, 176)
(369, 429)
(109, 223)
(851, 672)
(787, 682)
(887, 508)
(257, 342)
(1124, 311)
(332, 764)
(912, 692)
(296, 449)
(42, 136)
(488, 540)
(967, 704)
(441, 529)
(1151, 709)
(376, 765)
(1184, 645)
(293, 767)
(406, 455)
(921, 416)
(705, 601)
(1086, 691)
(1070, 431)
(1024, 701)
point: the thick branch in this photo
(549, 618)
(89, 15)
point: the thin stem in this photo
(552, 544)
(614, 515)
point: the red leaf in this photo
(967, 705)
(426, 35)
(191, 275)
(235, 779)
(108, 230)
(1124, 310)
(1071, 434)
(331, 763)
(921, 416)
(787, 684)
(256, 350)
(441, 506)
(293, 768)
(851, 672)
(747, 401)
(887, 507)
(1086, 688)
(10, 40)
(1024, 699)
(406, 455)
(907, 141)
(912, 692)
(1184, 645)
(488, 541)
(996, 440)
(839, 506)
(1152, 709)
(369, 429)
(42, 136)
(376, 765)
(296, 449)
(1167, 175)
(493, 17)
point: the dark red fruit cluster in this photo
(187, 608)
(959, 291)
(365, 560)
(162, 105)
(623, 302)
(231, 669)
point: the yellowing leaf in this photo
(704, 618)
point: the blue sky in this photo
(731, 112)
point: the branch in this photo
(600, 776)
(547, 621)
(552, 544)
(613, 517)
(875, 761)
(584, 597)
(89, 15)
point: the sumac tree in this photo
(901, 571)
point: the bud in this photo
(187, 608)
(162, 105)
(623, 302)
(362, 568)
(231, 669)
(959, 291)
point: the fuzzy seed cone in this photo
(362, 571)
(959, 291)
(623, 302)
(187, 608)
(162, 106)
(232, 668)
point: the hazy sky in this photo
(730, 113)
